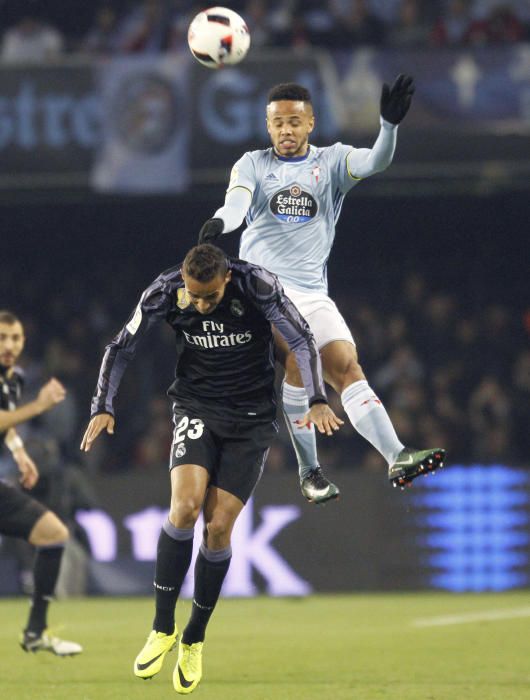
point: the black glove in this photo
(395, 100)
(211, 230)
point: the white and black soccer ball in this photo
(218, 37)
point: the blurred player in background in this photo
(21, 515)
(224, 411)
(291, 195)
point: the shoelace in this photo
(318, 480)
(192, 658)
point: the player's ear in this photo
(311, 123)
(228, 276)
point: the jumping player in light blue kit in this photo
(291, 195)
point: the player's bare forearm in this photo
(103, 421)
(9, 419)
(52, 393)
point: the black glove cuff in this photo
(211, 230)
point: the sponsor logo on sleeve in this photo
(182, 299)
(134, 323)
(234, 177)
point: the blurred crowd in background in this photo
(39, 31)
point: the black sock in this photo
(45, 572)
(210, 571)
(172, 563)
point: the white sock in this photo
(295, 405)
(369, 417)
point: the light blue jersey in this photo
(294, 204)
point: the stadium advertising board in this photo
(50, 125)
(144, 145)
(163, 123)
(229, 106)
(465, 529)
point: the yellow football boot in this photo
(188, 671)
(149, 661)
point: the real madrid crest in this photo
(182, 299)
(180, 451)
(237, 308)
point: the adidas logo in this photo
(271, 176)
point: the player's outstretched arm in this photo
(103, 421)
(395, 100)
(229, 217)
(323, 417)
(52, 393)
(395, 103)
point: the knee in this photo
(218, 531)
(354, 369)
(353, 372)
(344, 374)
(184, 513)
(48, 531)
(59, 534)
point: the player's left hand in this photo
(102, 421)
(395, 100)
(211, 230)
(29, 474)
(323, 417)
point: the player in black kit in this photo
(221, 310)
(21, 515)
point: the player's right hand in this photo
(211, 230)
(323, 417)
(29, 474)
(103, 421)
(52, 393)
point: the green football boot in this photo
(317, 489)
(412, 463)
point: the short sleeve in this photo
(243, 174)
(340, 156)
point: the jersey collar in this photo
(296, 159)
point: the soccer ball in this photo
(218, 37)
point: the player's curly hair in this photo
(204, 262)
(289, 91)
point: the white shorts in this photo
(322, 315)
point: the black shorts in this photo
(18, 512)
(233, 453)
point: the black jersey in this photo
(225, 359)
(10, 391)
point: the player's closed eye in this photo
(210, 297)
